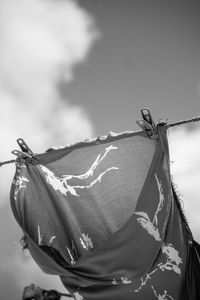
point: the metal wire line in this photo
(182, 122)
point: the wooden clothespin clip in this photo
(147, 124)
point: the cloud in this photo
(41, 42)
(184, 151)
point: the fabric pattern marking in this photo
(62, 185)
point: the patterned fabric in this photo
(103, 216)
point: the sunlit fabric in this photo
(103, 216)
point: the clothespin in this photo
(21, 154)
(24, 147)
(26, 151)
(147, 124)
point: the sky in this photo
(148, 56)
(71, 70)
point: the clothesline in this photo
(182, 122)
(7, 162)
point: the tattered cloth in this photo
(33, 292)
(103, 216)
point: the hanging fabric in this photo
(104, 217)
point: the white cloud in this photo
(184, 151)
(41, 42)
